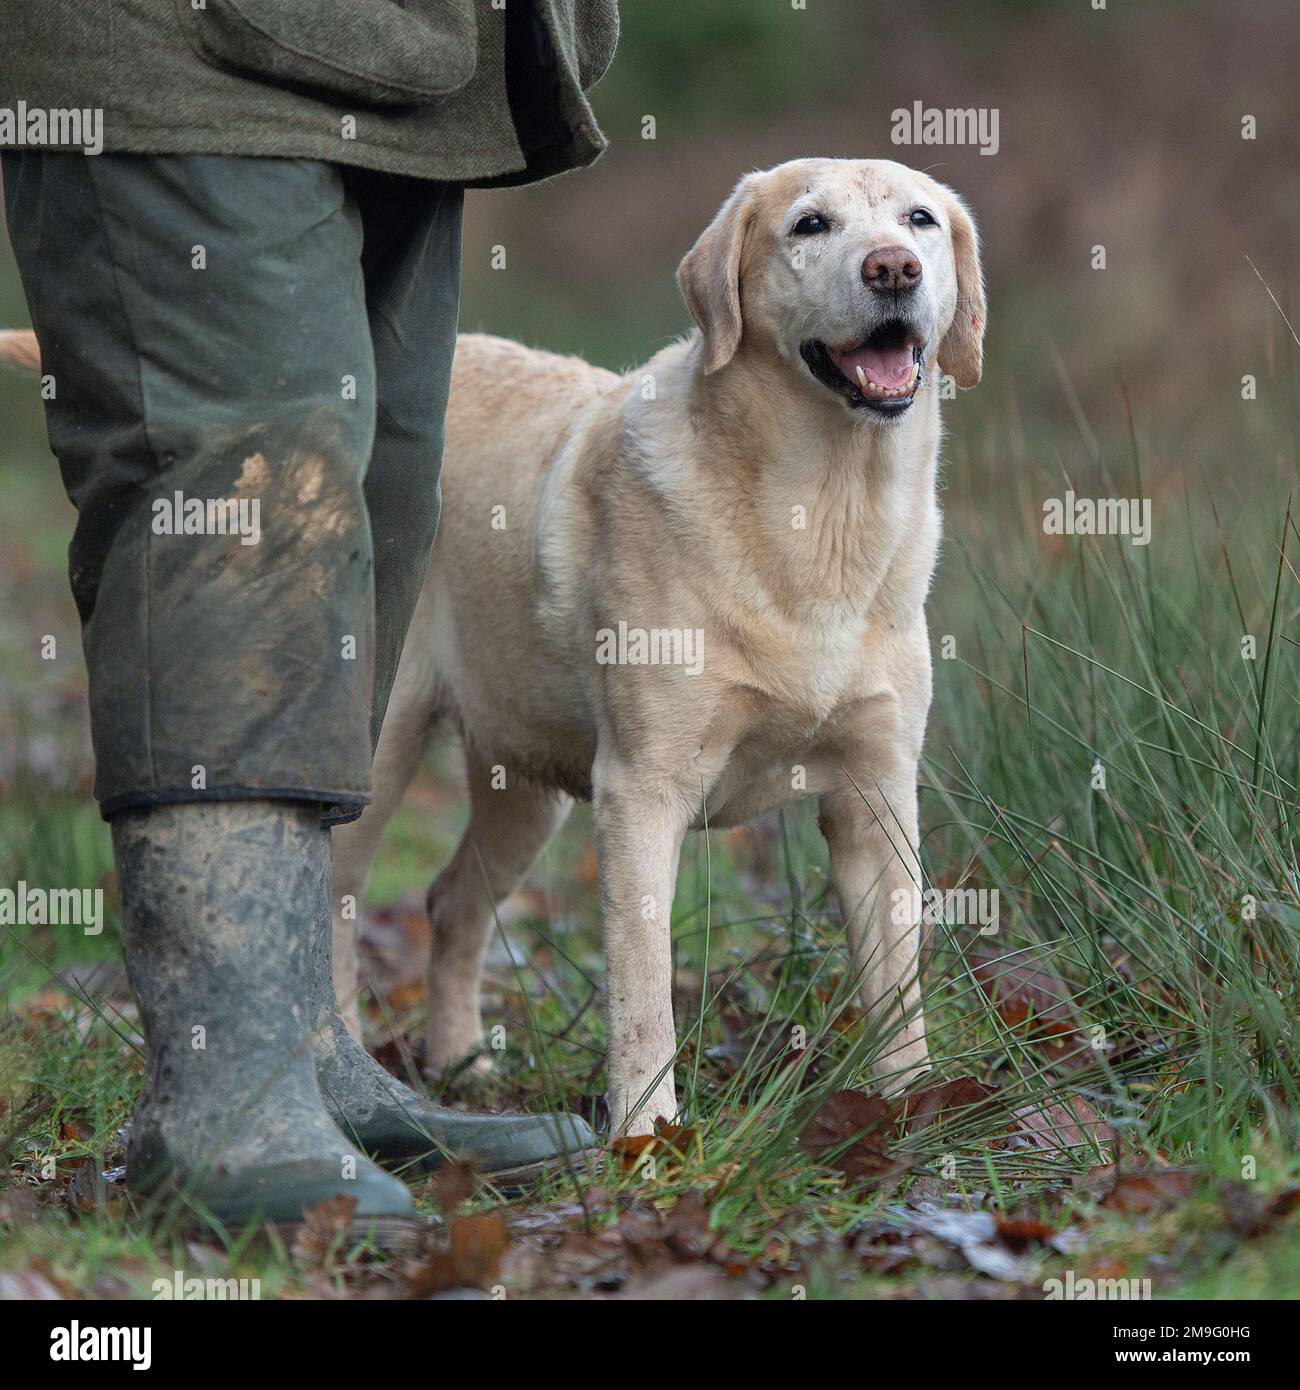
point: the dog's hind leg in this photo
(508, 828)
(408, 725)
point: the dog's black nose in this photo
(890, 269)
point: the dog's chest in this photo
(823, 661)
(790, 738)
(802, 664)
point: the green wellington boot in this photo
(217, 903)
(387, 1119)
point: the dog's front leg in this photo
(639, 832)
(871, 831)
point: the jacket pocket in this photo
(380, 52)
(596, 35)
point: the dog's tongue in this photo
(890, 367)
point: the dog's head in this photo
(854, 272)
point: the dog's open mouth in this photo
(882, 373)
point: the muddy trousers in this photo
(246, 365)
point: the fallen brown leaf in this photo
(1027, 998)
(1019, 1231)
(924, 1107)
(670, 1141)
(477, 1245)
(453, 1184)
(1249, 1213)
(1040, 1008)
(323, 1232)
(471, 1259)
(582, 1262)
(76, 1130)
(865, 1123)
(1154, 1189)
(1060, 1126)
(687, 1232)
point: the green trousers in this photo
(247, 364)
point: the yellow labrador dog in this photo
(696, 593)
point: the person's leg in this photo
(411, 266)
(411, 263)
(202, 319)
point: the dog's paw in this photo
(901, 1067)
(461, 1057)
(628, 1119)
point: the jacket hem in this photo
(364, 154)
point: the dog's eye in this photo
(922, 218)
(810, 225)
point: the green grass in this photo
(1164, 905)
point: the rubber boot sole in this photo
(398, 1235)
(511, 1181)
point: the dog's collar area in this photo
(866, 393)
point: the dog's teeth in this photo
(862, 377)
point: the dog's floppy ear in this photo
(709, 276)
(961, 354)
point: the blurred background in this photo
(1119, 127)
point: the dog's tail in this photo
(20, 349)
